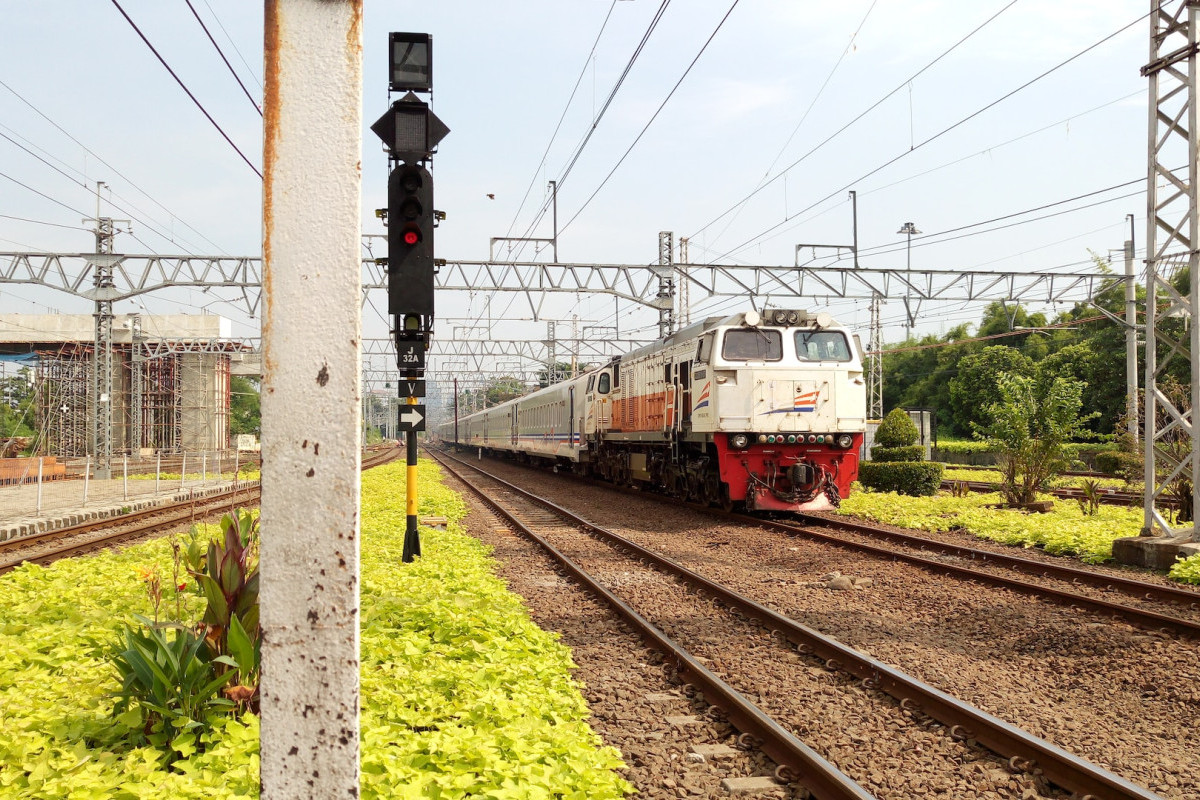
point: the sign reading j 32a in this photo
(410, 355)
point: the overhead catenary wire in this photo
(115, 171)
(860, 116)
(186, 90)
(563, 116)
(84, 185)
(942, 132)
(653, 117)
(574, 158)
(803, 117)
(228, 66)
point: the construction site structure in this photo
(170, 389)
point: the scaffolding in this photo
(164, 399)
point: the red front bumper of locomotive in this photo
(789, 476)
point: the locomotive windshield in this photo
(752, 344)
(822, 346)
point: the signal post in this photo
(410, 132)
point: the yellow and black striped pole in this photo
(412, 540)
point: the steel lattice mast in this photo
(1171, 229)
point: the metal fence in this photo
(40, 488)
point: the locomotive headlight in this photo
(739, 441)
(844, 440)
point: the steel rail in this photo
(797, 761)
(1023, 750)
(1114, 497)
(1129, 586)
(1145, 619)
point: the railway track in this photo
(89, 536)
(644, 575)
(1115, 497)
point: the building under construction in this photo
(170, 381)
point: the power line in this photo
(253, 102)
(115, 171)
(653, 117)
(562, 177)
(867, 111)
(43, 222)
(562, 117)
(42, 194)
(944, 131)
(186, 90)
(233, 44)
(761, 181)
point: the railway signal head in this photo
(410, 241)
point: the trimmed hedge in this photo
(913, 478)
(914, 452)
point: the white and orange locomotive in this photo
(762, 411)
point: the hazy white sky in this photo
(84, 100)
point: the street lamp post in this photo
(909, 230)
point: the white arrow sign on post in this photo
(412, 418)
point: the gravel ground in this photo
(1122, 698)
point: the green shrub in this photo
(916, 479)
(1125, 465)
(914, 452)
(897, 430)
(169, 684)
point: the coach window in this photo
(822, 346)
(752, 344)
(603, 385)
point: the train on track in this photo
(763, 411)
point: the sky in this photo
(792, 104)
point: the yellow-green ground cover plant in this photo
(1187, 570)
(462, 695)
(1065, 530)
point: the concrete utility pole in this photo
(310, 401)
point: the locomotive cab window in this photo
(822, 346)
(752, 344)
(602, 386)
(591, 383)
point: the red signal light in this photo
(412, 236)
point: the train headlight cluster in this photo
(740, 441)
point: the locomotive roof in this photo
(690, 332)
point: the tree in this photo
(1030, 430)
(562, 370)
(976, 385)
(16, 405)
(500, 390)
(245, 414)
